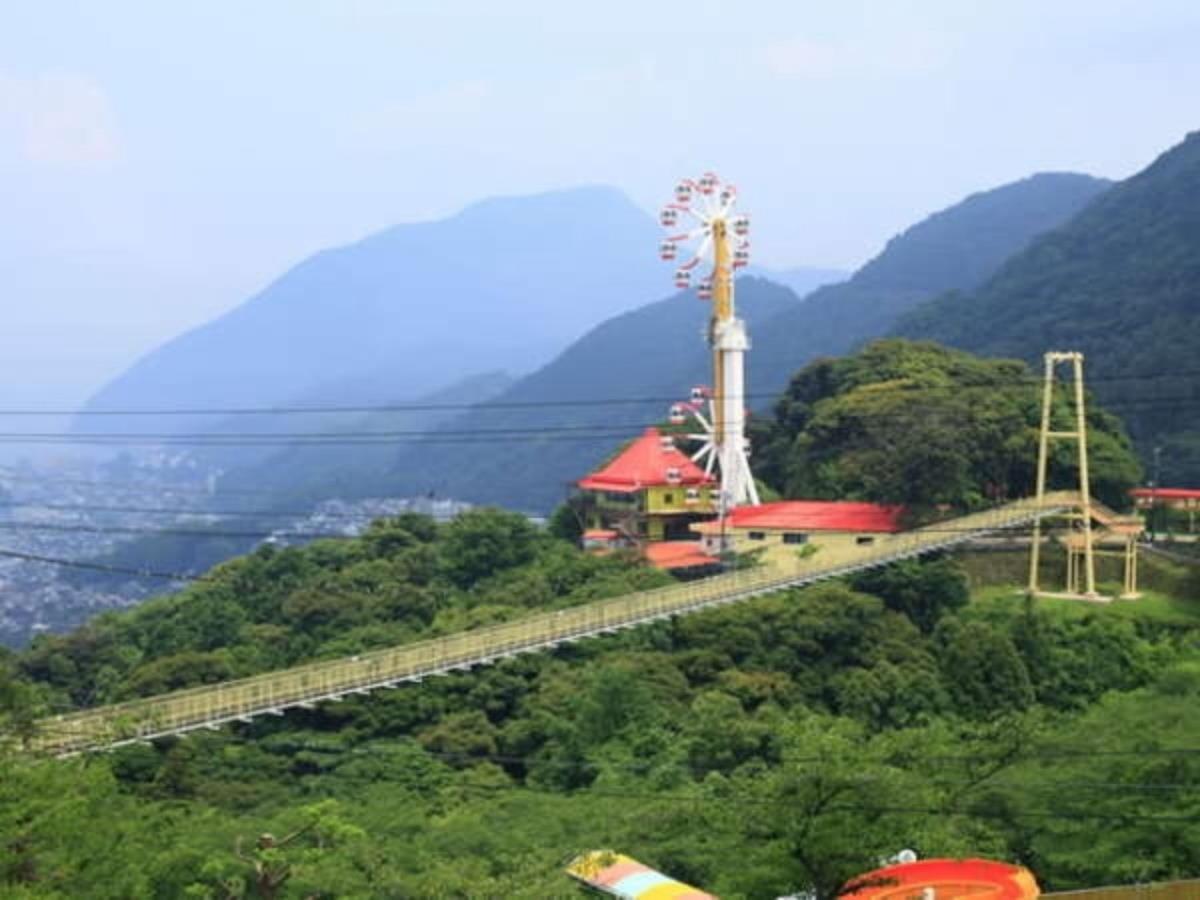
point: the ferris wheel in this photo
(714, 234)
(713, 240)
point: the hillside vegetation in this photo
(1121, 282)
(954, 249)
(919, 424)
(781, 745)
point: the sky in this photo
(162, 162)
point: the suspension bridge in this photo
(271, 693)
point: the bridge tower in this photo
(1084, 559)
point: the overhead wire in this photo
(589, 431)
(194, 511)
(101, 567)
(990, 385)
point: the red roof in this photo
(600, 534)
(677, 555)
(1166, 493)
(813, 515)
(643, 464)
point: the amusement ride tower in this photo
(702, 220)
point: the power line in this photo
(67, 528)
(159, 487)
(647, 766)
(480, 436)
(183, 511)
(318, 535)
(101, 567)
(989, 385)
(774, 800)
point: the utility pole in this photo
(1154, 495)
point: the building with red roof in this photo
(649, 492)
(1186, 499)
(788, 526)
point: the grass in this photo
(991, 601)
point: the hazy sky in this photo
(159, 162)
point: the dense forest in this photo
(919, 424)
(1121, 282)
(781, 745)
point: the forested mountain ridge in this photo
(610, 384)
(500, 285)
(956, 248)
(1120, 282)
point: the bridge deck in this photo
(272, 692)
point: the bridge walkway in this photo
(210, 706)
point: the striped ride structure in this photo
(624, 877)
(210, 706)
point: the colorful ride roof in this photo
(622, 876)
(945, 879)
(646, 463)
(812, 515)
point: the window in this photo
(757, 535)
(795, 538)
(668, 499)
(864, 539)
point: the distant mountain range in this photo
(1121, 282)
(503, 285)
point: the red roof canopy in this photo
(1166, 493)
(677, 555)
(814, 515)
(643, 464)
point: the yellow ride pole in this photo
(722, 311)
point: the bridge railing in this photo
(271, 692)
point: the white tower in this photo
(704, 209)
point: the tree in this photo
(981, 669)
(481, 542)
(924, 590)
(925, 426)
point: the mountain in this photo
(525, 446)
(656, 352)
(509, 457)
(956, 248)
(502, 285)
(803, 280)
(1120, 282)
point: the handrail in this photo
(272, 692)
